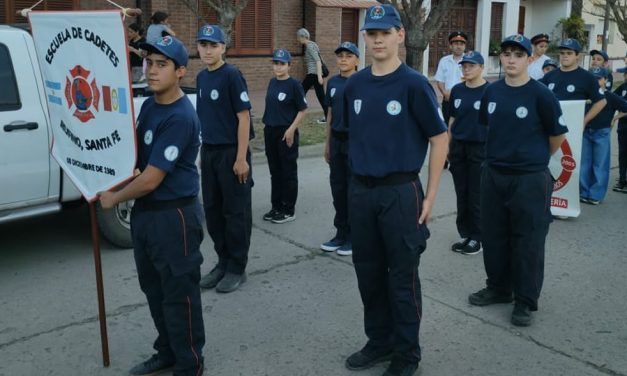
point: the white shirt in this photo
(535, 68)
(449, 72)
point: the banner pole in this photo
(102, 317)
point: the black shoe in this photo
(472, 248)
(211, 279)
(488, 296)
(231, 282)
(620, 187)
(585, 200)
(271, 214)
(152, 366)
(401, 367)
(368, 357)
(592, 201)
(521, 315)
(283, 217)
(457, 247)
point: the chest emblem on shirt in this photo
(393, 108)
(477, 105)
(570, 88)
(491, 107)
(171, 152)
(357, 105)
(332, 92)
(521, 112)
(457, 103)
(282, 96)
(148, 137)
(214, 94)
(244, 96)
(551, 86)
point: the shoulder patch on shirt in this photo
(477, 105)
(457, 103)
(244, 97)
(148, 137)
(214, 94)
(551, 86)
(440, 113)
(357, 105)
(608, 84)
(521, 112)
(491, 107)
(570, 88)
(601, 91)
(332, 92)
(393, 108)
(562, 121)
(281, 96)
(171, 153)
(624, 92)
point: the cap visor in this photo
(340, 49)
(377, 26)
(153, 48)
(517, 44)
(209, 39)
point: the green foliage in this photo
(573, 27)
(494, 48)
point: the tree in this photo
(420, 27)
(618, 14)
(576, 8)
(227, 11)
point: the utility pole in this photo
(606, 25)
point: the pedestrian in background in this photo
(313, 67)
(158, 27)
(449, 73)
(136, 56)
(540, 44)
(621, 184)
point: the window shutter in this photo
(349, 25)
(8, 11)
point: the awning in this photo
(351, 4)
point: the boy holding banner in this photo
(525, 126)
(166, 221)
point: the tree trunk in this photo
(576, 8)
(414, 57)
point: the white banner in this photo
(84, 61)
(564, 164)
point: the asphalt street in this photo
(300, 312)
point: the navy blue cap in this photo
(457, 36)
(210, 33)
(381, 17)
(472, 57)
(599, 52)
(551, 62)
(348, 46)
(622, 70)
(170, 47)
(282, 56)
(570, 44)
(599, 72)
(517, 40)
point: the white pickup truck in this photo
(31, 182)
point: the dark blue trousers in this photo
(622, 155)
(387, 243)
(228, 206)
(167, 256)
(340, 177)
(515, 218)
(283, 168)
(466, 158)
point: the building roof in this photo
(354, 4)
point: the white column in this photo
(482, 37)
(510, 19)
(361, 44)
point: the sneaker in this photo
(346, 249)
(521, 315)
(472, 248)
(271, 214)
(321, 121)
(152, 366)
(211, 279)
(593, 201)
(332, 245)
(457, 247)
(402, 367)
(368, 357)
(620, 187)
(488, 296)
(584, 200)
(231, 282)
(283, 217)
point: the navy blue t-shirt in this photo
(169, 138)
(622, 92)
(284, 100)
(390, 120)
(578, 84)
(335, 100)
(465, 109)
(604, 118)
(520, 121)
(222, 94)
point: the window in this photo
(9, 96)
(252, 29)
(350, 22)
(9, 8)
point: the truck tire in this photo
(115, 224)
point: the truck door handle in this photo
(16, 125)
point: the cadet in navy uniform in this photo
(571, 82)
(467, 151)
(223, 108)
(600, 59)
(336, 149)
(594, 173)
(549, 65)
(621, 184)
(166, 222)
(392, 115)
(285, 109)
(525, 126)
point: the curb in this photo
(309, 151)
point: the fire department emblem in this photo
(81, 94)
(377, 12)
